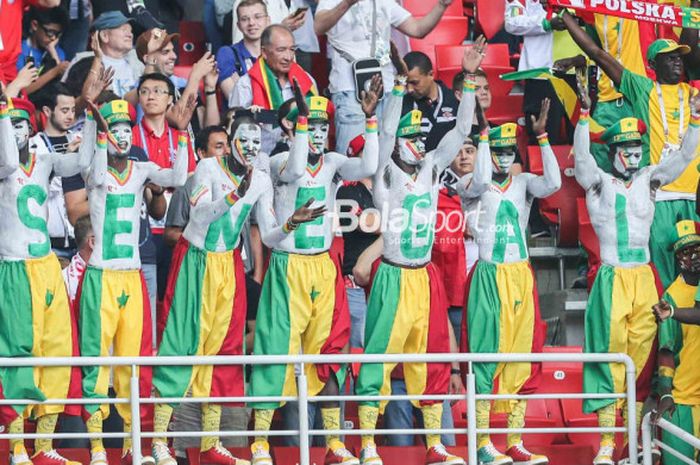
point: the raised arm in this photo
(271, 232)
(295, 165)
(324, 20)
(177, 175)
(354, 169)
(550, 181)
(474, 184)
(70, 164)
(9, 154)
(585, 168)
(607, 62)
(677, 161)
(205, 210)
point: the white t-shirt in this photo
(353, 35)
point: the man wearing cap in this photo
(502, 312)
(116, 44)
(407, 311)
(34, 309)
(114, 308)
(679, 345)
(303, 306)
(663, 107)
(206, 284)
(621, 206)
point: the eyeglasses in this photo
(158, 91)
(51, 33)
(250, 19)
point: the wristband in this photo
(101, 140)
(302, 125)
(673, 310)
(468, 86)
(546, 25)
(371, 125)
(543, 140)
(289, 226)
(210, 92)
(665, 396)
(455, 371)
(182, 139)
(89, 116)
(232, 198)
(484, 136)
(4, 111)
(399, 89)
(695, 120)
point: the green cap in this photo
(409, 124)
(665, 46)
(626, 130)
(505, 135)
(686, 233)
(118, 111)
(320, 109)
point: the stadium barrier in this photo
(135, 401)
(648, 439)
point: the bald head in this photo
(277, 43)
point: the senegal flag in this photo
(567, 95)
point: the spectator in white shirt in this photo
(348, 24)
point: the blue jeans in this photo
(357, 303)
(455, 316)
(290, 415)
(150, 274)
(75, 36)
(211, 27)
(399, 415)
(349, 118)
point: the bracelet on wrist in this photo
(455, 371)
(665, 396)
(673, 310)
(209, 92)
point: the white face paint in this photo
(120, 141)
(318, 135)
(246, 143)
(627, 159)
(22, 133)
(412, 151)
(502, 159)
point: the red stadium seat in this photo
(450, 30)
(560, 208)
(192, 43)
(422, 8)
(490, 16)
(505, 109)
(448, 62)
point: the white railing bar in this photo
(675, 453)
(314, 359)
(678, 432)
(149, 434)
(577, 430)
(355, 398)
(338, 398)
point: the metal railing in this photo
(648, 439)
(303, 399)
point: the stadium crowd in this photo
(240, 208)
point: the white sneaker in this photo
(604, 456)
(161, 454)
(260, 453)
(370, 456)
(98, 457)
(19, 455)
